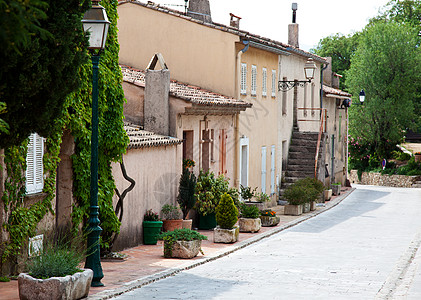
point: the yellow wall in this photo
(194, 53)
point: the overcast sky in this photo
(316, 18)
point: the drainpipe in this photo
(237, 116)
(321, 87)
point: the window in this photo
(253, 80)
(264, 169)
(264, 82)
(34, 165)
(273, 83)
(272, 170)
(243, 83)
(188, 144)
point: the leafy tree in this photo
(401, 11)
(35, 81)
(386, 66)
(340, 48)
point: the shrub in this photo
(247, 193)
(170, 212)
(57, 259)
(249, 211)
(303, 191)
(183, 234)
(187, 188)
(268, 213)
(262, 197)
(150, 216)
(226, 212)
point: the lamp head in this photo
(95, 21)
(362, 96)
(309, 69)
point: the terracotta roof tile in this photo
(143, 139)
(191, 93)
(331, 90)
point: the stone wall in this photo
(385, 180)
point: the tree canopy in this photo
(386, 65)
(40, 61)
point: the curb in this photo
(138, 283)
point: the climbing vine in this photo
(22, 220)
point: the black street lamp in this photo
(95, 21)
(362, 97)
(309, 68)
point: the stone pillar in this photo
(156, 105)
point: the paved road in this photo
(364, 248)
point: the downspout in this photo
(321, 87)
(237, 116)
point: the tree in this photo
(386, 65)
(35, 81)
(401, 11)
(340, 48)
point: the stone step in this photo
(300, 173)
(305, 135)
(302, 155)
(304, 142)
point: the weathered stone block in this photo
(249, 225)
(70, 287)
(226, 236)
(268, 221)
(185, 249)
(293, 210)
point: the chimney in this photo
(235, 21)
(200, 10)
(156, 103)
(293, 28)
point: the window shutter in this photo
(253, 80)
(264, 169)
(273, 83)
(34, 164)
(264, 82)
(243, 83)
(272, 170)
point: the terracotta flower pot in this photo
(170, 225)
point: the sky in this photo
(316, 18)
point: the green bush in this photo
(249, 211)
(226, 212)
(183, 234)
(304, 191)
(262, 197)
(247, 192)
(187, 189)
(57, 259)
(170, 212)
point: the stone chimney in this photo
(200, 10)
(156, 103)
(328, 73)
(235, 21)
(293, 28)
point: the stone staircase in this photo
(302, 151)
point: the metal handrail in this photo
(321, 130)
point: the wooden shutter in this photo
(243, 83)
(34, 164)
(264, 82)
(264, 169)
(253, 80)
(272, 170)
(273, 83)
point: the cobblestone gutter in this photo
(385, 180)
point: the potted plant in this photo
(209, 190)
(186, 191)
(247, 193)
(295, 195)
(55, 274)
(269, 218)
(226, 217)
(418, 156)
(171, 217)
(151, 228)
(182, 243)
(319, 188)
(249, 220)
(336, 188)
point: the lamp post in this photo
(362, 97)
(309, 68)
(95, 21)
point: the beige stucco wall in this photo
(156, 171)
(337, 127)
(144, 31)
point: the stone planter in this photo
(170, 225)
(306, 207)
(259, 205)
(336, 189)
(187, 223)
(70, 287)
(268, 221)
(327, 194)
(226, 236)
(249, 225)
(183, 249)
(293, 210)
(313, 205)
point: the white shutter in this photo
(272, 170)
(34, 164)
(253, 80)
(243, 83)
(273, 83)
(264, 169)
(264, 82)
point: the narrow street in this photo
(364, 248)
